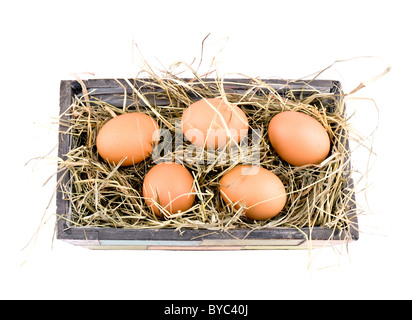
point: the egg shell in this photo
(170, 185)
(258, 189)
(298, 138)
(212, 123)
(128, 137)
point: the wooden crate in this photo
(110, 91)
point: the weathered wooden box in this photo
(110, 91)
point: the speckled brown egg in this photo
(169, 185)
(129, 138)
(298, 138)
(212, 123)
(257, 189)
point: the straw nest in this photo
(103, 195)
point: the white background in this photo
(43, 42)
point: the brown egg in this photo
(169, 185)
(298, 138)
(259, 190)
(212, 123)
(129, 137)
